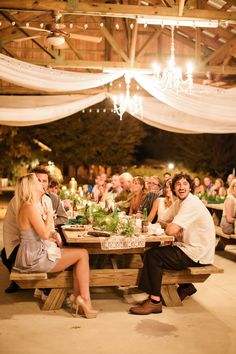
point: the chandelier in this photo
(124, 103)
(171, 77)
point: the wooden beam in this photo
(117, 10)
(198, 45)
(11, 19)
(219, 51)
(153, 35)
(113, 42)
(134, 42)
(181, 7)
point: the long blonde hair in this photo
(24, 191)
(231, 186)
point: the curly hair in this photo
(177, 177)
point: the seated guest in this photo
(229, 210)
(191, 223)
(60, 216)
(11, 234)
(54, 186)
(139, 193)
(155, 191)
(112, 189)
(100, 188)
(115, 185)
(207, 184)
(218, 188)
(166, 176)
(198, 187)
(122, 199)
(36, 252)
(160, 205)
(154, 184)
(230, 177)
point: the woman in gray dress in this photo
(37, 253)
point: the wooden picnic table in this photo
(215, 206)
(93, 244)
(122, 276)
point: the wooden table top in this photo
(215, 206)
(79, 237)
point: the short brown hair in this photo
(177, 177)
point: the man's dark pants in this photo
(156, 260)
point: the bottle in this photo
(90, 215)
(145, 221)
(73, 185)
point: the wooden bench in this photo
(224, 239)
(59, 283)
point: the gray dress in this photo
(32, 255)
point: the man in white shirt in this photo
(192, 225)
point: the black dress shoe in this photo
(186, 291)
(12, 288)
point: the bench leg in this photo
(170, 295)
(221, 244)
(55, 299)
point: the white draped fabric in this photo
(204, 101)
(206, 110)
(159, 115)
(50, 80)
(32, 110)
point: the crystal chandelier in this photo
(171, 77)
(124, 103)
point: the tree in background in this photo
(209, 153)
(82, 139)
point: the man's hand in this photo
(163, 224)
(179, 235)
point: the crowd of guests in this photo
(32, 227)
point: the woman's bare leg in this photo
(79, 258)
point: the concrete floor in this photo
(205, 324)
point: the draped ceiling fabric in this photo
(206, 110)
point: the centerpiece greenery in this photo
(110, 222)
(211, 199)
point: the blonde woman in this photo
(229, 210)
(36, 252)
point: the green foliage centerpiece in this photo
(111, 222)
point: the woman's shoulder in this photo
(28, 207)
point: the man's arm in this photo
(60, 213)
(175, 230)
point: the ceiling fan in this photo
(56, 34)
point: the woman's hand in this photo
(56, 236)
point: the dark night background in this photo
(100, 138)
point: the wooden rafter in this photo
(117, 10)
(220, 50)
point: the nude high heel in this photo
(88, 313)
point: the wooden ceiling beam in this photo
(11, 19)
(113, 42)
(224, 48)
(117, 10)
